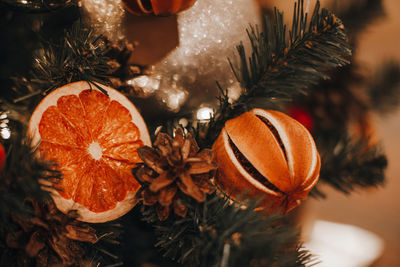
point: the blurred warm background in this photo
(376, 210)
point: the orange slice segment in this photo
(94, 139)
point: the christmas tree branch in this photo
(20, 176)
(80, 55)
(349, 164)
(216, 233)
(284, 64)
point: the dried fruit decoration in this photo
(157, 7)
(268, 154)
(172, 168)
(93, 137)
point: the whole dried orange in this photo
(93, 137)
(265, 153)
(157, 7)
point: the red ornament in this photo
(157, 7)
(301, 115)
(2, 157)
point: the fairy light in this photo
(234, 92)
(148, 84)
(183, 122)
(140, 81)
(204, 114)
(5, 131)
(174, 98)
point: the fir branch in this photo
(284, 64)
(80, 55)
(20, 177)
(107, 250)
(215, 233)
(384, 89)
(349, 164)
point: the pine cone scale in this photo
(203, 183)
(34, 245)
(141, 174)
(186, 149)
(162, 212)
(187, 186)
(87, 234)
(160, 182)
(205, 155)
(201, 167)
(167, 195)
(151, 158)
(179, 208)
(149, 198)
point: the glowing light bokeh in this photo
(204, 114)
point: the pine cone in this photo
(121, 69)
(49, 238)
(174, 167)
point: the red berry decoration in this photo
(302, 115)
(2, 157)
(157, 7)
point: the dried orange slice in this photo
(94, 140)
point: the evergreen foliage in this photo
(80, 55)
(19, 179)
(284, 64)
(217, 233)
(349, 164)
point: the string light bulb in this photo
(204, 114)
